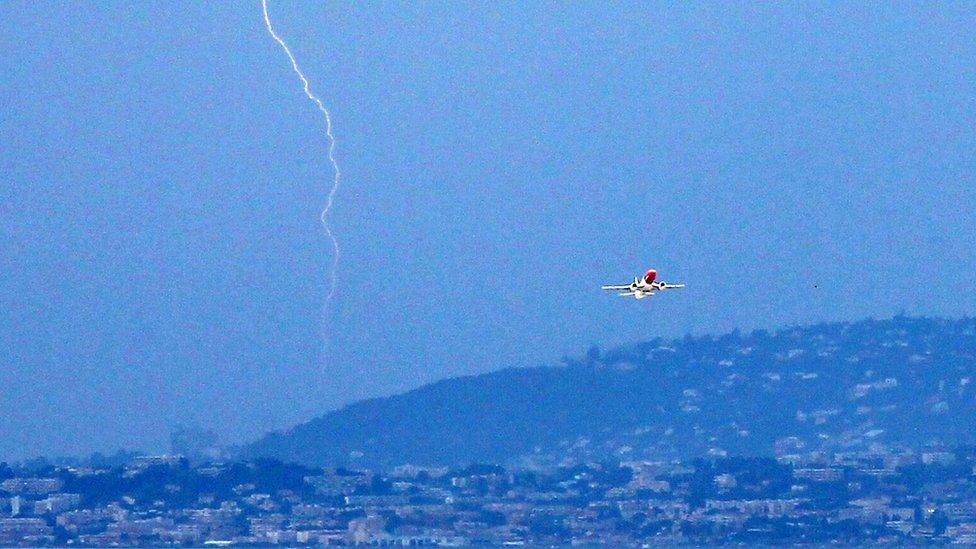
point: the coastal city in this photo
(880, 494)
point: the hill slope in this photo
(902, 381)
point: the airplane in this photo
(642, 287)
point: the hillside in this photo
(904, 381)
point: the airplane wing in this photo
(641, 295)
(616, 287)
(669, 286)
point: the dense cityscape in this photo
(876, 495)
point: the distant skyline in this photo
(163, 261)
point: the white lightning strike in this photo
(332, 142)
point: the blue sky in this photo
(162, 175)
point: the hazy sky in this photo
(161, 176)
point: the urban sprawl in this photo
(886, 495)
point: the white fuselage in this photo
(642, 289)
(642, 285)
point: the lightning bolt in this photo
(324, 216)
